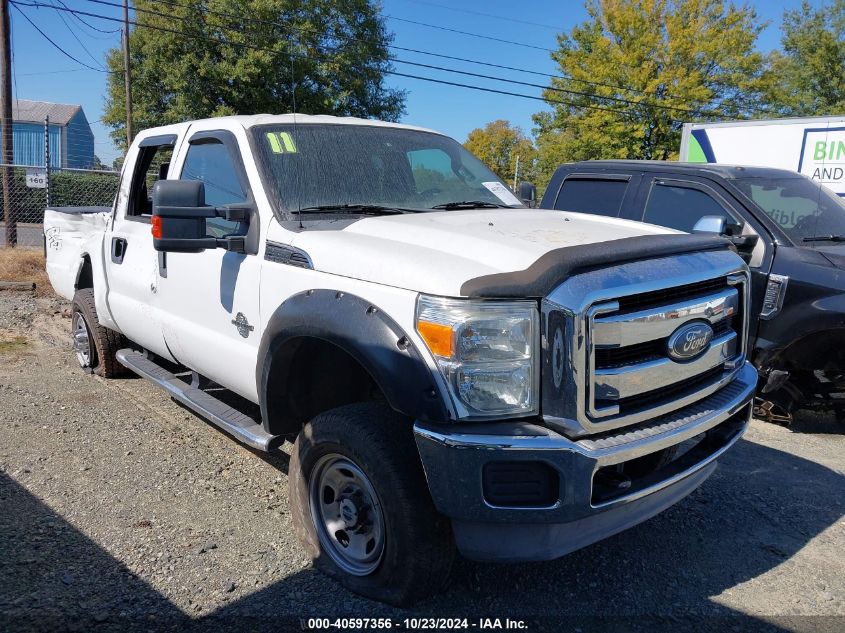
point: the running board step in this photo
(241, 426)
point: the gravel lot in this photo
(120, 510)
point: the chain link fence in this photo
(31, 190)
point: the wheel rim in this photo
(81, 340)
(347, 514)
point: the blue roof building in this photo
(71, 138)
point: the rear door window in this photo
(597, 196)
(152, 165)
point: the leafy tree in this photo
(333, 51)
(811, 69)
(498, 144)
(98, 164)
(631, 56)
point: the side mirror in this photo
(717, 224)
(528, 193)
(179, 215)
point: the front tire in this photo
(95, 346)
(361, 506)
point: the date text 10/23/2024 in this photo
(414, 624)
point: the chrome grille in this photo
(635, 343)
(606, 362)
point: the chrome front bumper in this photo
(454, 457)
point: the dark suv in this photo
(791, 232)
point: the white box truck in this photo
(814, 146)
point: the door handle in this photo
(118, 249)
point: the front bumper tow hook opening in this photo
(613, 480)
(771, 412)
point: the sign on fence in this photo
(36, 178)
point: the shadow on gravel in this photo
(54, 578)
(756, 512)
(812, 423)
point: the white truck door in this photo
(211, 297)
(131, 262)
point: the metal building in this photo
(71, 139)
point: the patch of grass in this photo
(25, 264)
(11, 344)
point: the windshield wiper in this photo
(470, 204)
(825, 238)
(375, 209)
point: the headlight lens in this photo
(486, 351)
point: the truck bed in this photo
(69, 234)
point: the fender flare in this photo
(368, 335)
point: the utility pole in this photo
(9, 214)
(516, 172)
(47, 156)
(127, 78)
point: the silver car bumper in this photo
(579, 507)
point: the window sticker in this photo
(281, 143)
(501, 192)
(274, 142)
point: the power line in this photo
(468, 34)
(486, 15)
(349, 38)
(592, 106)
(480, 35)
(89, 25)
(560, 90)
(301, 56)
(84, 48)
(50, 72)
(47, 37)
(615, 99)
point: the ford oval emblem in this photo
(689, 340)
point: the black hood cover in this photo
(542, 276)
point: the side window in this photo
(679, 207)
(211, 163)
(597, 196)
(152, 165)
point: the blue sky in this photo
(41, 72)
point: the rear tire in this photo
(95, 346)
(361, 506)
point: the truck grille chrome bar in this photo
(622, 330)
(627, 381)
(651, 349)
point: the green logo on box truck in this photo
(830, 150)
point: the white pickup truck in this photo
(454, 369)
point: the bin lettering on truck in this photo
(814, 147)
(455, 371)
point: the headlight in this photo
(486, 351)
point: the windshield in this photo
(316, 166)
(802, 208)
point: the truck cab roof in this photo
(712, 169)
(252, 120)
